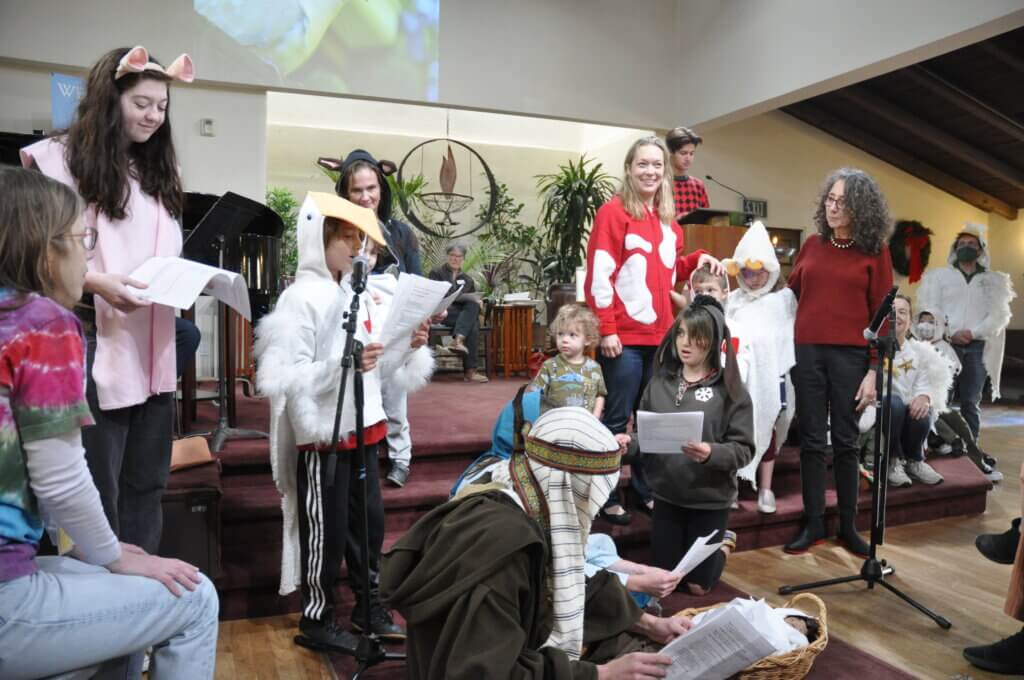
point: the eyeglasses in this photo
(838, 201)
(88, 238)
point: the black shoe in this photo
(399, 474)
(812, 533)
(851, 540)
(1005, 656)
(381, 623)
(326, 635)
(989, 460)
(1000, 548)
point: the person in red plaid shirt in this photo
(688, 192)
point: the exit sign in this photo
(757, 207)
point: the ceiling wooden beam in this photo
(966, 102)
(1004, 56)
(907, 123)
(823, 120)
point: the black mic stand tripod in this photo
(874, 570)
(370, 650)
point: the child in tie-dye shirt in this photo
(108, 599)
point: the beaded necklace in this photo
(841, 246)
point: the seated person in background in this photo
(492, 584)
(463, 314)
(1007, 655)
(920, 383)
(107, 599)
(571, 378)
(694, 491)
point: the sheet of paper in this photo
(446, 302)
(667, 432)
(415, 300)
(698, 552)
(719, 647)
(177, 282)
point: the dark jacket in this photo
(403, 246)
(728, 427)
(445, 273)
(470, 578)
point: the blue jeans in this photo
(70, 615)
(908, 434)
(972, 382)
(626, 376)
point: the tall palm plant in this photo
(570, 199)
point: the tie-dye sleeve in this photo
(46, 369)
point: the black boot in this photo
(381, 623)
(1005, 656)
(844, 465)
(326, 635)
(850, 539)
(1000, 548)
(812, 533)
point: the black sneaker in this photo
(381, 623)
(989, 460)
(326, 636)
(1000, 548)
(1005, 656)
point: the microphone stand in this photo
(370, 651)
(874, 571)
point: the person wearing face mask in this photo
(975, 304)
(921, 378)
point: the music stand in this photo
(230, 216)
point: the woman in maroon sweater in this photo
(840, 277)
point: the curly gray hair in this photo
(869, 213)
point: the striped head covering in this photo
(568, 469)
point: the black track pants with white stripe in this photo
(330, 526)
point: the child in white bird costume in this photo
(767, 317)
(299, 348)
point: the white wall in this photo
(234, 159)
(744, 57)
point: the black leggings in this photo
(675, 529)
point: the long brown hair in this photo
(35, 212)
(99, 154)
(664, 204)
(704, 321)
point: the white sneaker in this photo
(766, 502)
(921, 471)
(897, 474)
(944, 450)
(995, 476)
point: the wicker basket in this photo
(792, 665)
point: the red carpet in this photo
(451, 424)
(839, 660)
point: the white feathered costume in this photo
(767, 318)
(298, 352)
(981, 305)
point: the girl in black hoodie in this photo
(695, 370)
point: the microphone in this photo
(360, 267)
(726, 186)
(871, 332)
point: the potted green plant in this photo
(284, 203)
(569, 201)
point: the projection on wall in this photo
(367, 47)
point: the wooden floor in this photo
(936, 563)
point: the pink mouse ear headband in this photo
(137, 61)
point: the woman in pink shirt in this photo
(119, 157)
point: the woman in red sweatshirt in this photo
(634, 257)
(840, 277)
